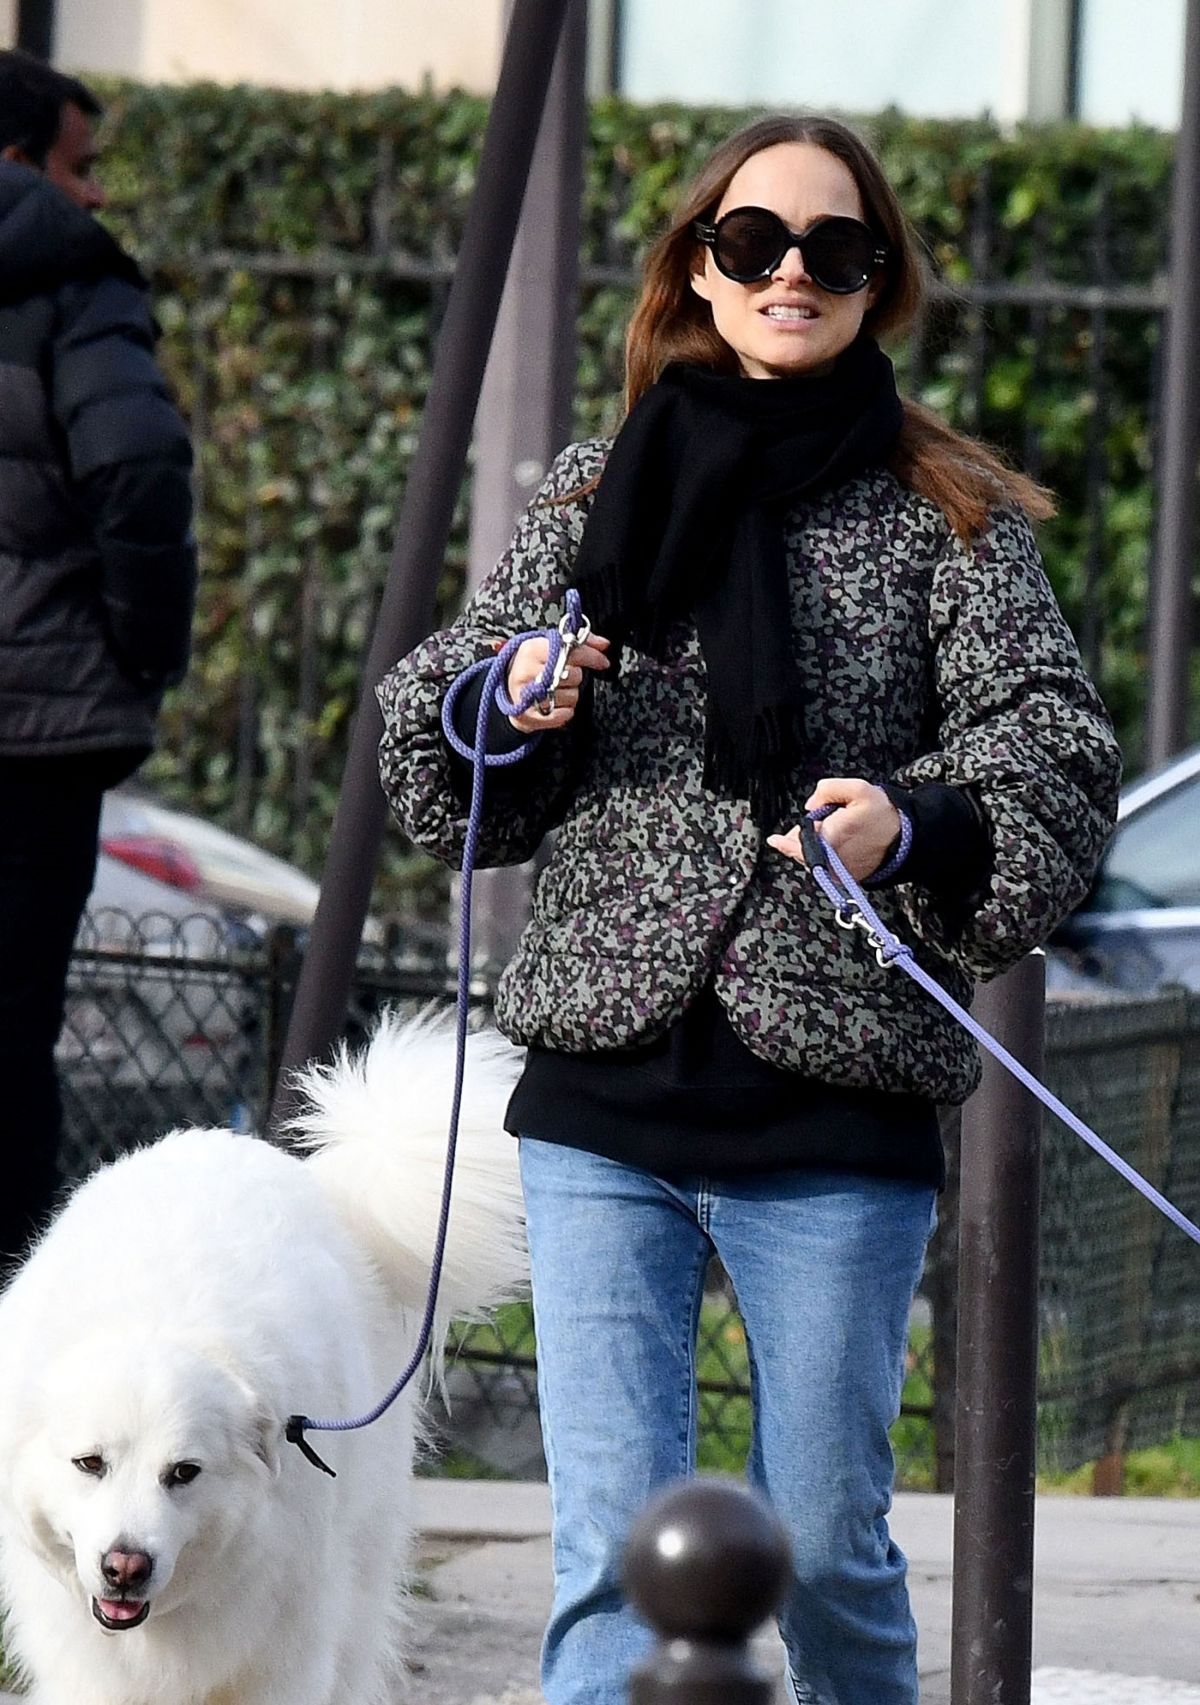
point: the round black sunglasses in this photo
(748, 243)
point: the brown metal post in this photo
(525, 407)
(706, 1563)
(996, 1421)
(406, 610)
(940, 1286)
(1171, 613)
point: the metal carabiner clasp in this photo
(571, 637)
(848, 916)
(886, 952)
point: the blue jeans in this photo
(824, 1266)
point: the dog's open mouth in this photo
(117, 1614)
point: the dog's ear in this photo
(260, 1430)
(266, 1435)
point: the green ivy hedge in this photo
(288, 235)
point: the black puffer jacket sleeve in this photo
(130, 459)
(421, 778)
(1025, 731)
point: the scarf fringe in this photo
(767, 779)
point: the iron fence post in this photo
(406, 609)
(281, 964)
(996, 1420)
(940, 1286)
(1170, 638)
(706, 1563)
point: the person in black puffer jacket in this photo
(97, 578)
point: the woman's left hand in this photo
(860, 832)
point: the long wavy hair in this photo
(963, 477)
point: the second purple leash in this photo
(853, 910)
(571, 630)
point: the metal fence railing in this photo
(169, 1025)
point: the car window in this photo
(1154, 859)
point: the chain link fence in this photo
(175, 1022)
(1120, 1349)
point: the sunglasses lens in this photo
(749, 243)
(839, 254)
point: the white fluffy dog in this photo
(160, 1542)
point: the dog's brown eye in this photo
(181, 1473)
(93, 1465)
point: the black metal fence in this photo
(182, 1023)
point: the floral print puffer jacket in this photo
(923, 660)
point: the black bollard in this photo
(706, 1564)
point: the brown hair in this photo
(964, 478)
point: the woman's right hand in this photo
(529, 662)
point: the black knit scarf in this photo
(688, 521)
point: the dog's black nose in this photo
(124, 1570)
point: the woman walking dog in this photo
(805, 593)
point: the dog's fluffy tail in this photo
(377, 1124)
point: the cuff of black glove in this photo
(500, 733)
(951, 853)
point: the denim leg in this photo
(618, 1260)
(824, 1266)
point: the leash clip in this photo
(294, 1434)
(847, 916)
(571, 637)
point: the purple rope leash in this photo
(572, 630)
(853, 910)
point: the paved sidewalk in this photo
(1116, 1607)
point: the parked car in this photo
(166, 1006)
(1139, 928)
(196, 858)
(159, 1025)
(162, 1024)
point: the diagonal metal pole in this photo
(407, 607)
(525, 406)
(1171, 602)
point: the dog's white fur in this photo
(186, 1301)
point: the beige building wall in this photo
(299, 44)
(8, 23)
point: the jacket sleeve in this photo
(421, 778)
(1024, 731)
(130, 460)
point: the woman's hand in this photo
(529, 662)
(861, 832)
